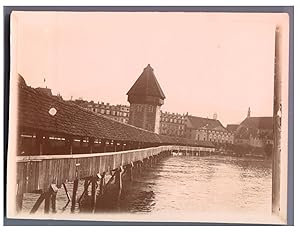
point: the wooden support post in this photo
(153, 160)
(140, 167)
(85, 190)
(91, 144)
(118, 182)
(81, 145)
(75, 187)
(85, 187)
(137, 166)
(115, 146)
(68, 196)
(47, 202)
(103, 145)
(39, 143)
(70, 140)
(19, 202)
(93, 193)
(102, 184)
(53, 202)
(38, 203)
(130, 171)
(145, 162)
(128, 145)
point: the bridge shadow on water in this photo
(137, 195)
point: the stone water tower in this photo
(145, 98)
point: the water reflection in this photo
(202, 184)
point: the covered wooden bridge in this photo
(59, 141)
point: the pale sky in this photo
(205, 63)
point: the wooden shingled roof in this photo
(71, 119)
(147, 85)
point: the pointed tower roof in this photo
(147, 85)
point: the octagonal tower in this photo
(145, 98)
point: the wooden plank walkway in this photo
(39, 172)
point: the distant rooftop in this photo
(258, 122)
(199, 122)
(232, 127)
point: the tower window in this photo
(149, 127)
(150, 108)
(139, 108)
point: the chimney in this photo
(215, 116)
(249, 113)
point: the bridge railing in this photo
(39, 172)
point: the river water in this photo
(191, 184)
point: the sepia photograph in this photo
(148, 116)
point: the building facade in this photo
(172, 124)
(117, 112)
(145, 98)
(255, 131)
(206, 129)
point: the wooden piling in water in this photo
(19, 202)
(52, 193)
(102, 184)
(85, 190)
(75, 187)
(118, 182)
(86, 185)
(130, 171)
(93, 193)
(138, 166)
(53, 202)
(47, 202)
(37, 203)
(38, 172)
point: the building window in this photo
(139, 108)
(150, 108)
